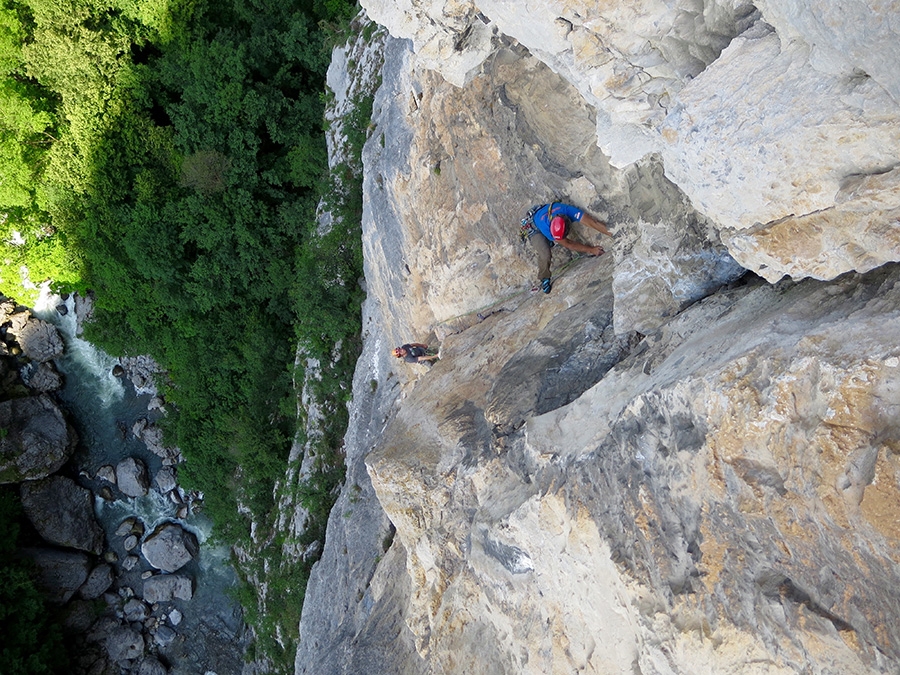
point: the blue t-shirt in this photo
(542, 218)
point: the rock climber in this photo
(416, 352)
(549, 224)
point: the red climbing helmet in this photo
(558, 227)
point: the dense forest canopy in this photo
(169, 155)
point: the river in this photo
(209, 634)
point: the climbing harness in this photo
(528, 229)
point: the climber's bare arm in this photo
(590, 221)
(580, 248)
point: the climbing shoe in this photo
(545, 285)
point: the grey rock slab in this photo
(175, 617)
(124, 644)
(132, 477)
(152, 437)
(165, 479)
(7, 307)
(60, 573)
(127, 527)
(107, 473)
(170, 547)
(37, 442)
(63, 514)
(167, 587)
(152, 666)
(79, 615)
(164, 636)
(135, 610)
(98, 582)
(45, 378)
(40, 340)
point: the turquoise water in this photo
(103, 409)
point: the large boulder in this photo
(152, 666)
(124, 644)
(45, 378)
(167, 587)
(60, 573)
(99, 580)
(170, 547)
(36, 441)
(79, 615)
(40, 340)
(62, 512)
(132, 477)
(165, 479)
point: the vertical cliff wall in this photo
(665, 465)
(779, 120)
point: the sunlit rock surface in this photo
(665, 465)
(722, 498)
(767, 115)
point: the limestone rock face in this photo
(807, 154)
(733, 487)
(662, 466)
(37, 442)
(766, 114)
(846, 39)
(63, 513)
(449, 37)
(449, 186)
